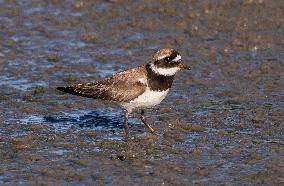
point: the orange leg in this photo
(126, 123)
(142, 117)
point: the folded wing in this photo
(121, 87)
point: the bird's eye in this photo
(167, 59)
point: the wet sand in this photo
(222, 123)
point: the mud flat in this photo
(221, 124)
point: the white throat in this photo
(165, 71)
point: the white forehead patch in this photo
(177, 58)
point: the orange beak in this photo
(184, 66)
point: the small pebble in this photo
(121, 157)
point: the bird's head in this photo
(167, 62)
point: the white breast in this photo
(148, 99)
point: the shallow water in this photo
(221, 124)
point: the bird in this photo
(135, 89)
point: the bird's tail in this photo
(68, 89)
(79, 90)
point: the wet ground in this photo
(221, 124)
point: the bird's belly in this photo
(148, 99)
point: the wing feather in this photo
(121, 87)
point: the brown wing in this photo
(121, 87)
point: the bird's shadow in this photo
(96, 119)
